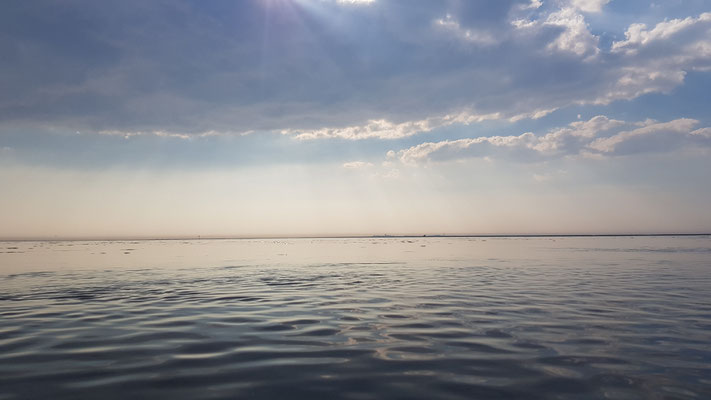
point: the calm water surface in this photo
(465, 318)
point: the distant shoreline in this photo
(383, 236)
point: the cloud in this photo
(357, 165)
(467, 148)
(638, 36)
(569, 139)
(575, 37)
(534, 4)
(358, 2)
(657, 60)
(651, 136)
(321, 70)
(165, 134)
(593, 6)
(596, 138)
(383, 129)
(473, 36)
(702, 133)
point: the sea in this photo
(625, 317)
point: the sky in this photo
(354, 117)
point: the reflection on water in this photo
(528, 318)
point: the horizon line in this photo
(354, 236)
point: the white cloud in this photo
(703, 132)
(534, 4)
(682, 126)
(596, 138)
(638, 36)
(523, 23)
(383, 129)
(576, 132)
(657, 59)
(356, 2)
(357, 165)
(535, 114)
(647, 61)
(576, 37)
(475, 36)
(592, 6)
(464, 148)
(168, 134)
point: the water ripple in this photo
(560, 325)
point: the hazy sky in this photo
(304, 117)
